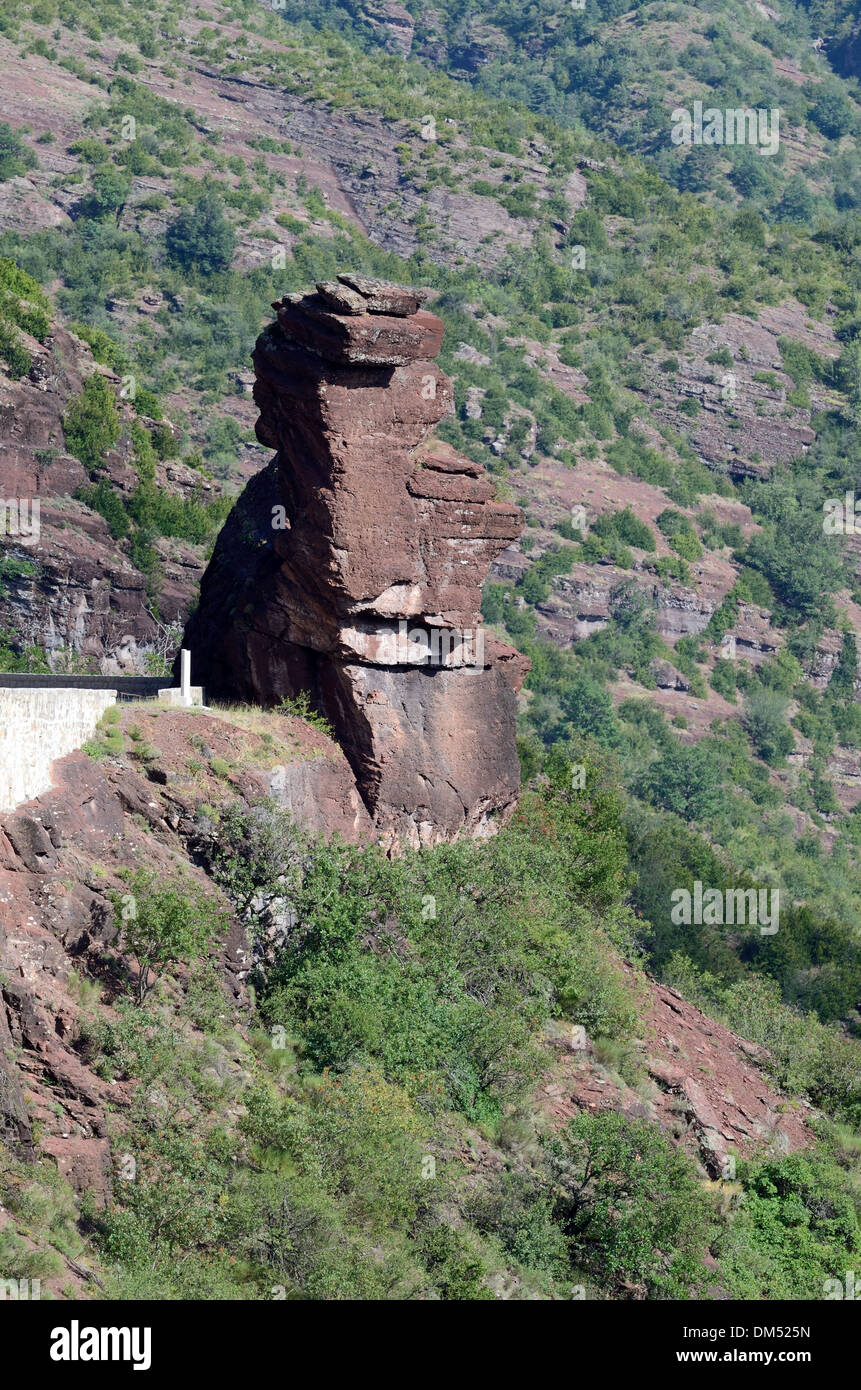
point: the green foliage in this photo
(301, 708)
(13, 352)
(254, 853)
(91, 424)
(15, 156)
(817, 967)
(801, 564)
(797, 1228)
(683, 780)
(23, 305)
(102, 346)
(421, 984)
(162, 924)
(104, 499)
(200, 238)
(520, 1212)
(764, 717)
(17, 656)
(721, 357)
(680, 533)
(683, 482)
(801, 362)
(433, 966)
(630, 1205)
(833, 112)
(108, 739)
(627, 527)
(722, 679)
(108, 193)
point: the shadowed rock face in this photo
(846, 55)
(351, 567)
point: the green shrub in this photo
(628, 527)
(722, 679)
(91, 424)
(102, 346)
(15, 157)
(680, 534)
(764, 717)
(200, 238)
(103, 498)
(163, 923)
(631, 1205)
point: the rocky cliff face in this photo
(351, 567)
(61, 856)
(846, 54)
(71, 589)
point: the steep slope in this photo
(107, 1109)
(622, 70)
(85, 582)
(618, 342)
(652, 352)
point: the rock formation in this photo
(351, 567)
(846, 53)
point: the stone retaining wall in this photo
(37, 726)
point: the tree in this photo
(91, 424)
(630, 1204)
(685, 780)
(750, 174)
(749, 226)
(201, 238)
(108, 194)
(798, 203)
(764, 717)
(833, 113)
(255, 854)
(696, 174)
(588, 708)
(161, 925)
(15, 157)
(845, 673)
(801, 564)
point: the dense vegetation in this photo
(395, 1027)
(619, 68)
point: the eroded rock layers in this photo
(351, 567)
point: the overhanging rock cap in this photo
(382, 327)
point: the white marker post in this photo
(185, 677)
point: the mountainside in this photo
(134, 1106)
(644, 343)
(74, 595)
(619, 69)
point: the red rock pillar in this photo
(352, 567)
